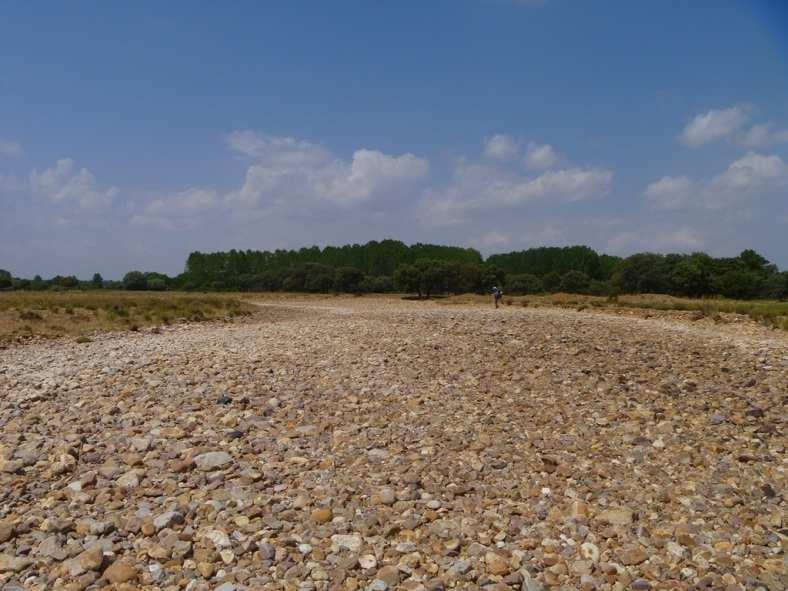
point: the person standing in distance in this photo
(497, 295)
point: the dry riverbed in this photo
(369, 443)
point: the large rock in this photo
(13, 564)
(120, 572)
(616, 516)
(213, 460)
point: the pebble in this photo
(212, 460)
(373, 443)
(120, 572)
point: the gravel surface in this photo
(376, 444)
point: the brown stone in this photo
(120, 572)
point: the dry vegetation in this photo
(766, 312)
(25, 315)
(55, 314)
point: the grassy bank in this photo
(767, 312)
(54, 314)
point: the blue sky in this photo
(134, 133)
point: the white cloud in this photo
(186, 202)
(540, 156)
(9, 149)
(670, 192)
(749, 177)
(501, 146)
(287, 170)
(568, 185)
(369, 171)
(274, 151)
(713, 125)
(63, 183)
(751, 173)
(761, 136)
(493, 239)
(659, 239)
(478, 187)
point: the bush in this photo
(348, 279)
(575, 282)
(135, 281)
(156, 284)
(524, 284)
(599, 288)
(551, 282)
(407, 279)
(380, 284)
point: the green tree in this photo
(38, 284)
(97, 281)
(135, 281)
(156, 284)
(739, 284)
(777, 286)
(68, 282)
(348, 279)
(379, 284)
(574, 282)
(523, 284)
(5, 279)
(551, 282)
(689, 279)
(433, 276)
(642, 273)
(407, 279)
(492, 275)
(753, 261)
(599, 288)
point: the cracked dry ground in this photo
(376, 444)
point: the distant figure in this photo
(497, 295)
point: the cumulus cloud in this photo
(762, 135)
(713, 125)
(64, 183)
(10, 149)
(670, 192)
(476, 187)
(659, 239)
(751, 173)
(745, 179)
(501, 146)
(288, 170)
(186, 202)
(540, 156)
(492, 240)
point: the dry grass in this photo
(766, 312)
(55, 314)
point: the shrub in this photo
(156, 284)
(382, 284)
(551, 282)
(524, 284)
(135, 281)
(29, 315)
(348, 279)
(574, 282)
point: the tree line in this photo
(428, 269)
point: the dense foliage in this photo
(427, 270)
(556, 259)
